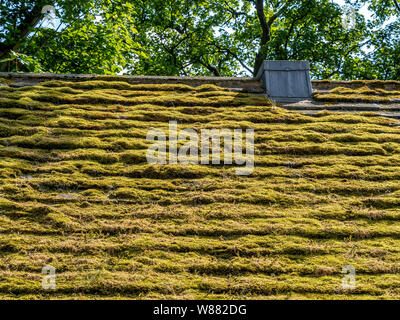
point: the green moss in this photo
(363, 94)
(210, 88)
(355, 98)
(363, 90)
(7, 205)
(76, 192)
(60, 220)
(5, 81)
(120, 85)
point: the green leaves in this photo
(199, 37)
(20, 62)
(91, 37)
(223, 37)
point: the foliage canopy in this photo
(200, 37)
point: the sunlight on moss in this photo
(77, 192)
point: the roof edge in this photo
(58, 76)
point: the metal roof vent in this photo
(286, 81)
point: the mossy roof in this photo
(363, 92)
(77, 193)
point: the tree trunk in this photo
(264, 38)
(266, 30)
(31, 19)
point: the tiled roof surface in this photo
(380, 97)
(77, 193)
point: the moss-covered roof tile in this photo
(77, 193)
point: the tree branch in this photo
(210, 68)
(30, 20)
(397, 5)
(233, 12)
(276, 15)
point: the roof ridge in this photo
(116, 77)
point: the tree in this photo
(91, 36)
(17, 20)
(233, 37)
(199, 37)
(382, 55)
